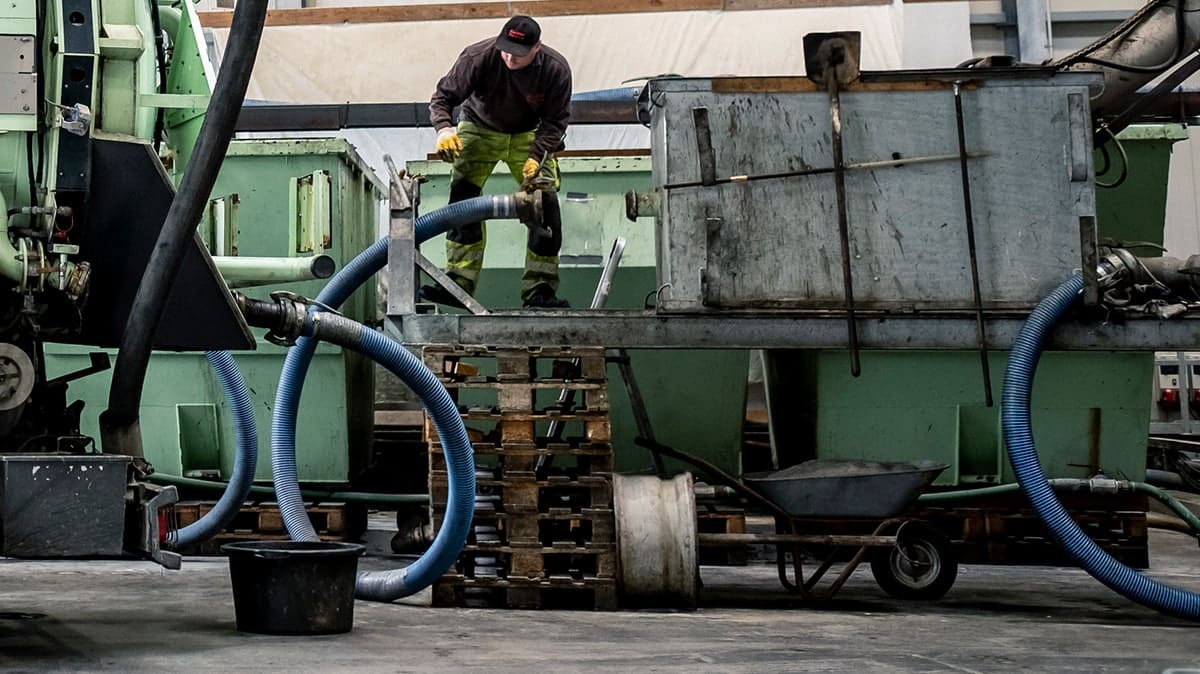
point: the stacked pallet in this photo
(542, 535)
(257, 522)
(992, 535)
(1003, 529)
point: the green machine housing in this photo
(273, 198)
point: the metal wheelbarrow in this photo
(909, 559)
(839, 507)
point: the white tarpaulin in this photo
(402, 61)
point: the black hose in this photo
(33, 200)
(118, 424)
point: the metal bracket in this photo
(1089, 247)
(99, 363)
(969, 218)
(704, 147)
(832, 80)
(292, 318)
(151, 534)
(400, 278)
(439, 277)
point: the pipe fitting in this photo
(1116, 268)
(530, 209)
(284, 316)
(240, 271)
(71, 278)
(1181, 276)
(1104, 485)
(638, 204)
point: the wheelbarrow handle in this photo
(716, 473)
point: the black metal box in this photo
(54, 505)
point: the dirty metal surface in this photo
(774, 243)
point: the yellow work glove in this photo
(530, 169)
(448, 144)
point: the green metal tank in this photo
(274, 198)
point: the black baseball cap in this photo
(520, 34)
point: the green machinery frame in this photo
(274, 198)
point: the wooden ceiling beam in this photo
(500, 10)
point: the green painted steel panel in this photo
(13, 180)
(17, 17)
(175, 379)
(696, 399)
(189, 73)
(336, 415)
(930, 405)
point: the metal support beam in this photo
(647, 330)
(1033, 31)
(1000, 20)
(334, 116)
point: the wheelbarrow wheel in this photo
(920, 566)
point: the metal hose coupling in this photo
(531, 210)
(284, 315)
(1116, 268)
(1120, 266)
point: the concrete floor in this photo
(135, 617)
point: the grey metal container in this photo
(836, 488)
(773, 244)
(60, 505)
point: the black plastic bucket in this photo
(293, 587)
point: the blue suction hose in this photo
(245, 460)
(1018, 437)
(388, 585)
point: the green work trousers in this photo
(482, 148)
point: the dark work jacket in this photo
(509, 101)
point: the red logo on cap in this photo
(514, 33)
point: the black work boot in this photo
(439, 295)
(543, 297)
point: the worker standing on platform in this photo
(515, 94)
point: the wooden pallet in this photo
(569, 458)
(545, 503)
(551, 530)
(593, 595)
(458, 365)
(261, 521)
(1017, 536)
(513, 393)
(526, 494)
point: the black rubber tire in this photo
(920, 566)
